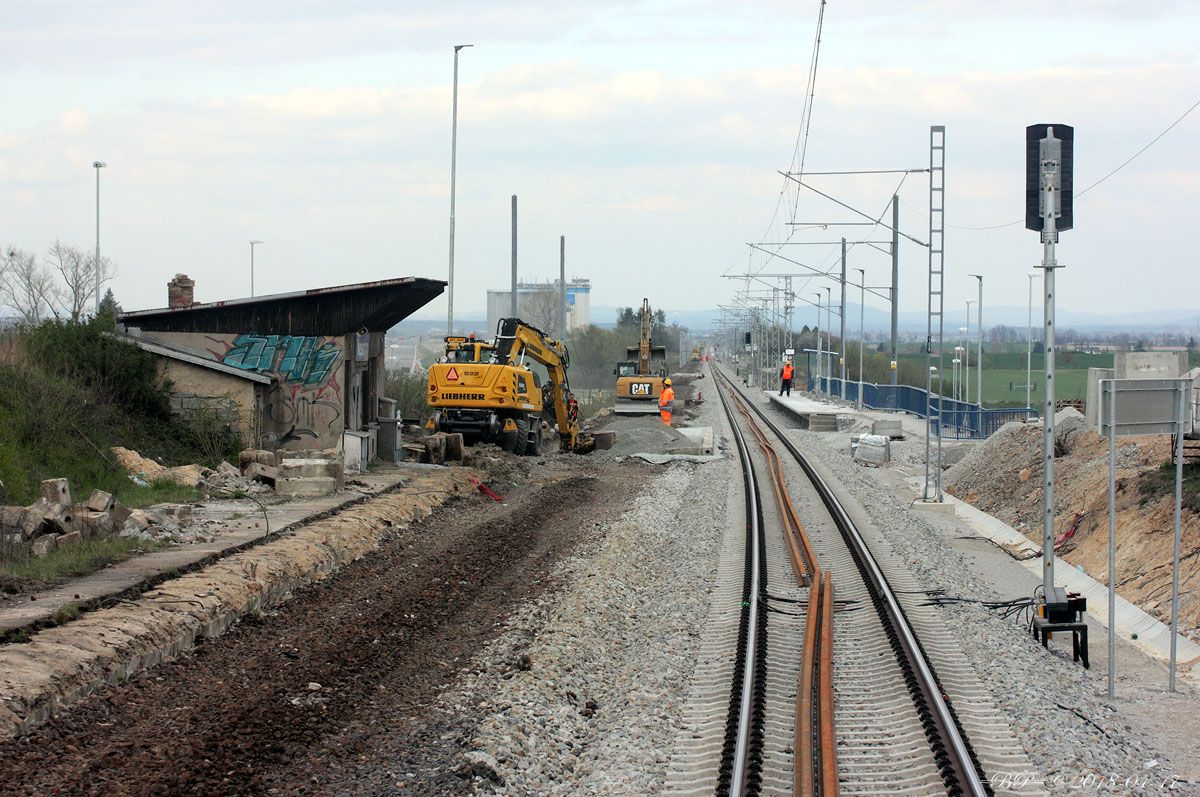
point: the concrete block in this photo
(309, 468)
(96, 524)
(100, 501)
(315, 486)
(941, 507)
(1150, 364)
(891, 429)
(257, 472)
(822, 422)
(253, 455)
(69, 539)
(58, 519)
(435, 449)
(10, 517)
(873, 450)
(57, 491)
(31, 522)
(454, 446)
(119, 513)
(44, 545)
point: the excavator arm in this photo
(516, 340)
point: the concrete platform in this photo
(133, 576)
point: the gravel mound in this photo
(645, 434)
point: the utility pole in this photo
(862, 338)
(252, 245)
(562, 287)
(979, 352)
(453, 166)
(513, 303)
(820, 369)
(843, 322)
(829, 331)
(895, 281)
(1049, 263)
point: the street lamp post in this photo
(252, 245)
(862, 340)
(453, 167)
(1029, 346)
(979, 351)
(98, 165)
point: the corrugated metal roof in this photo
(340, 310)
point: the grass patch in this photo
(1161, 483)
(32, 574)
(160, 491)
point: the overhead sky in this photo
(649, 133)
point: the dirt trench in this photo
(300, 701)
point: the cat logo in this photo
(452, 373)
(639, 389)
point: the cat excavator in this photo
(640, 381)
(486, 391)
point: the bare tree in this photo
(540, 308)
(77, 272)
(27, 286)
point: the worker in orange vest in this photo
(785, 377)
(666, 402)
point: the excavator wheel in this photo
(522, 436)
(533, 446)
(508, 440)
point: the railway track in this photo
(896, 729)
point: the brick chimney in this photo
(181, 291)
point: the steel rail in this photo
(740, 768)
(955, 757)
(804, 561)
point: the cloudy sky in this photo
(649, 133)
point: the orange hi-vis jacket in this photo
(666, 397)
(788, 371)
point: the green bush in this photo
(408, 389)
(68, 394)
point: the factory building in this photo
(537, 304)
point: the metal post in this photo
(1179, 427)
(1112, 535)
(935, 316)
(842, 391)
(895, 282)
(979, 359)
(252, 245)
(453, 167)
(513, 302)
(1049, 236)
(967, 354)
(862, 339)
(562, 287)
(1029, 349)
(98, 165)
(817, 384)
(829, 336)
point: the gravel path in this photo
(1077, 741)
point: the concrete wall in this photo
(304, 406)
(195, 388)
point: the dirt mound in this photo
(1003, 477)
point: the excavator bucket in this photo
(635, 407)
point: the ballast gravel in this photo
(1077, 741)
(584, 691)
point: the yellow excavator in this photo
(486, 391)
(640, 380)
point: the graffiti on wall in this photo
(305, 360)
(304, 403)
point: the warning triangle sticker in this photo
(452, 373)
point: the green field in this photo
(1004, 376)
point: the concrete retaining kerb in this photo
(1153, 636)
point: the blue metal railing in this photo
(958, 419)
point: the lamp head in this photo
(98, 164)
